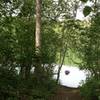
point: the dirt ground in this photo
(65, 93)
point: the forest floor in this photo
(73, 94)
(66, 93)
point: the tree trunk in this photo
(38, 27)
(38, 68)
(60, 66)
(38, 34)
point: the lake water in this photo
(73, 79)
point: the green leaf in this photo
(87, 10)
(84, 0)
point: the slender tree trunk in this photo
(60, 66)
(38, 27)
(38, 32)
(38, 68)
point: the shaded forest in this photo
(37, 34)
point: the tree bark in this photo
(60, 66)
(38, 68)
(38, 34)
(38, 26)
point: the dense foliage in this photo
(62, 38)
(91, 54)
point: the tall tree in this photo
(38, 26)
(38, 68)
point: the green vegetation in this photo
(62, 40)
